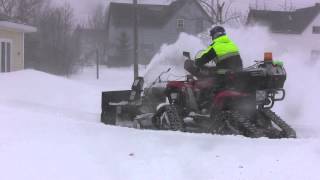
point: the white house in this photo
(12, 44)
(293, 30)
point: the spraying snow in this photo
(170, 56)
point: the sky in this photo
(84, 7)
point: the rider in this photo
(222, 51)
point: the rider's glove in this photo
(198, 63)
(190, 66)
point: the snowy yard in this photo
(50, 129)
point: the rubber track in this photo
(254, 132)
(287, 131)
(176, 123)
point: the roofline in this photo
(262, 10)
(197, 3)
(202, 9)
(144, 4)
(199, 6)
(17, 27)
(304, 29)
(290, 13)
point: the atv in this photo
(228, 102)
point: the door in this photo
(5, 56)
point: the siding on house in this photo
(17, 48)
(151, 38)
(292, 31)
(191, 15)
(307, 40)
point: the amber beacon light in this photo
(268, 56)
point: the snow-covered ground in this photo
(49, 129)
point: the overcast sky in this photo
(84, 7)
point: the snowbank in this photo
(109, 78)
(37, 145)
(37, 91)
(46, 133)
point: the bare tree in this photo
(97, 27)
(54, 46)
(7, 7)
(97, 20)
(221, 12)
(23, 10)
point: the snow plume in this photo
(302, 85)
(170, 56)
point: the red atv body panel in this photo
(197, 84)
(219, 100)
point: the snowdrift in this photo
(56, 139)
(38, 91)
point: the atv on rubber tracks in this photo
(227, 102)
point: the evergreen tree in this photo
(122, 56)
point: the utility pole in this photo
(98, 63)
(285, 5)
(135, 39)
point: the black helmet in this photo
(217, 31)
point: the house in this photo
(157, 25)
(12, 43)
(299, 29)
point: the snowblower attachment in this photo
(125, 107)
(121, 104)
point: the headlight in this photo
(261, 95)
(174, 96)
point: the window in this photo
(180, 24)
(316, 30)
